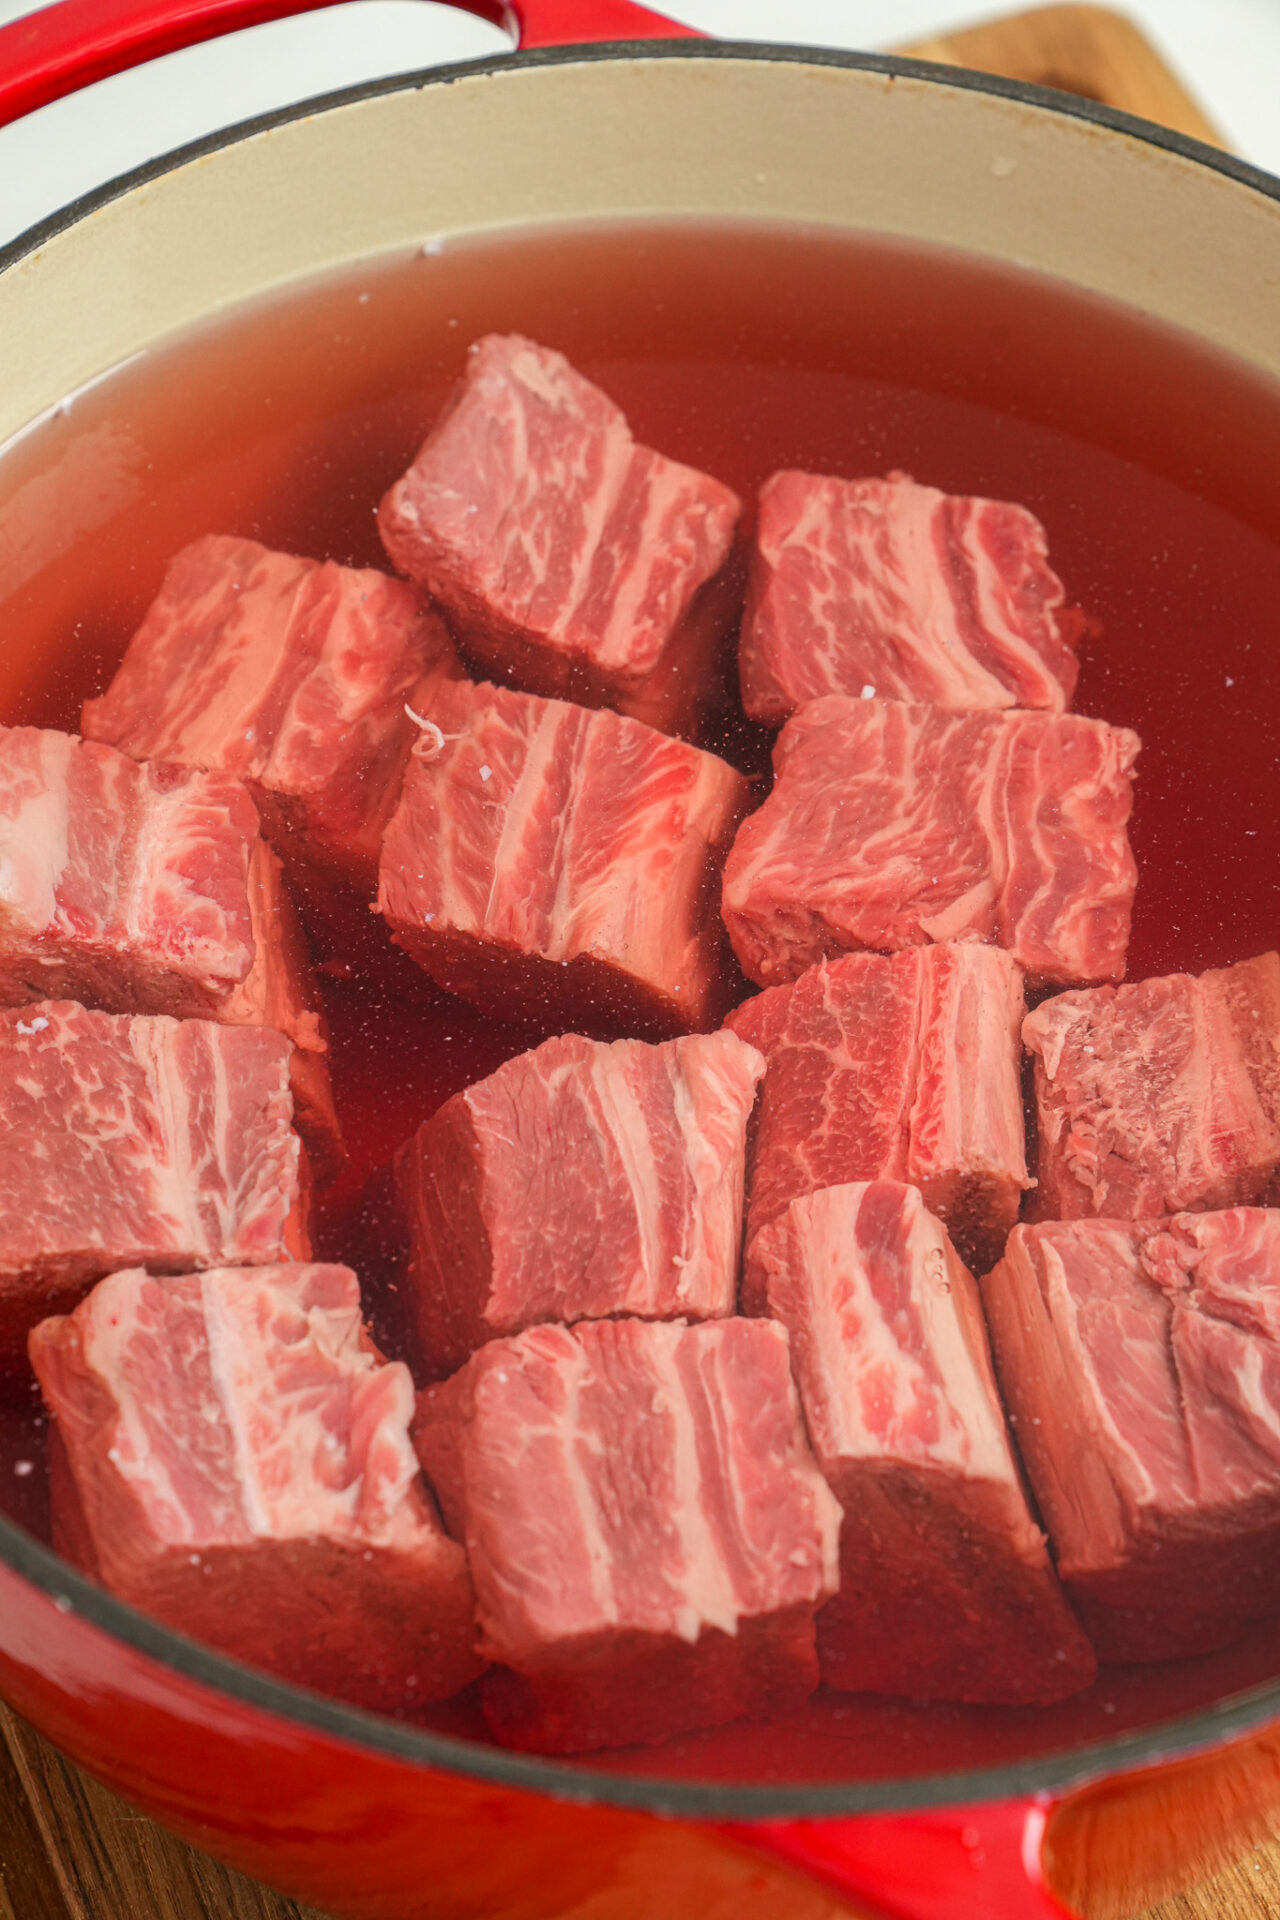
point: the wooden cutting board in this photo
(69, 1850)
(1087, 50)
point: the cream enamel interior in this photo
(720, 136)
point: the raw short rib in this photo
(648, 1533)
(292, 675)
(240, 1467)
(1141, 1364)
(904, 1067)
(1159, 1095)
(580, 1180)
(136, 1140)
(572, 562)
(559, 866)
(946, 1591)
(892, 825)
(918, 595)
(147, 888)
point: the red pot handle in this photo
(947, 1863)
(64, 47)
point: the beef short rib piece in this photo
(647, 1530)
(893, 825)
(572, 562)
(946, 1591)
(580, 1180)
(1160, 1095)
(905, 1067)
(559, 866)
(147, 888)
(919, 595)
(137, 1141)
(241, 1468)
(1141, 1364)
(122, 886)
(292, 675)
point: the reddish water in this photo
(1151, 462)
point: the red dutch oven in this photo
(608, 112)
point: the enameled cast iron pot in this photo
(379, 1820)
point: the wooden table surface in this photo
(69, 1850)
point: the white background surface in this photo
(1227, 51)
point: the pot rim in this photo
(894, 66)
(1049, 1774)
(1045, 1775)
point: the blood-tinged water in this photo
(1151, 461)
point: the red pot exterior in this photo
(980, 1862)
(370, 1837)
(358, 1833)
